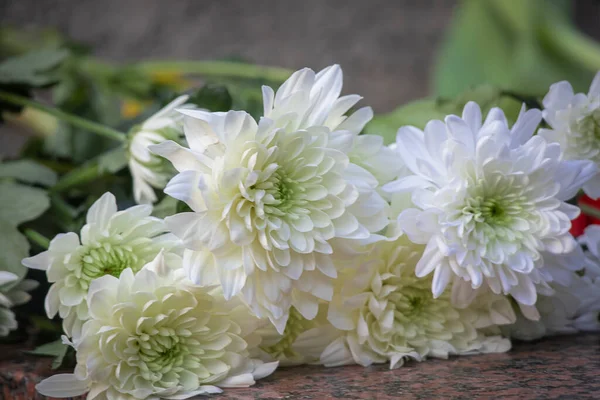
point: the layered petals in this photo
(271, 198)
(488, 201)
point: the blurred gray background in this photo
(386, 47)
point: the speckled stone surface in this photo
(555, 368)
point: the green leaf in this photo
(87, 95)
(212, 97)
(13, 248)
(20, 203)
(52, 349)
(417, 113)
(28, 171)
(112, 161)
(165, 208)
(56, 349)
(511, 44)
(420, 112)
(131, 82)
(32, 68)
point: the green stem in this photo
(223, 69)
(91, 170)
(589, 210)
(61, 207)
(37, 238)
(83, 123)
(86, 173)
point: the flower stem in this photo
(589, 210)
(223, 69)
(89, 171)
(86, 173)
(83, 123)
(37, 238)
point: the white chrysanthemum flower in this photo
(156, 335)
(389, 314)
(148, 170)
(489, 200)
(558, 314)
(270, 199)
(110, 242)
(573, 305)
(589, 309)
(575, 122)
(12, 295)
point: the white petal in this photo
(62, 385)
(102, 210)
(183, 159)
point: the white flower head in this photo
(489, 200)
(390, 315)
(558, 314)
(12, 293)
(147, 170)
(110, 242)
(573, 303)
(589, 310)
(574, 119)
(271, 198)
(156, 335)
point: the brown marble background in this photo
(565, 367)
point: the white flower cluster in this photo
(297, 248)
(13, 292)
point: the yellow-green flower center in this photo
(284, 190)
(590, 125)
(108, 259)
(493, 211)
(161, 353)
(413, 300)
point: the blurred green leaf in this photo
(88, 94)
(32, 68)
(20, 203)
(420, 112)
(130, 82)
(56, 349)
(112, 161)
(165, 208)
(513, 45)
(19, 74)
(52, 349)
(416, 113)
(13, 248)
(212, 97)
(28, 171)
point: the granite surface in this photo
(555, 368)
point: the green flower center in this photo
(493, 211)
(161, 353)
(296, 324)
(284, 190)
(590, 125)
(413, 300)
(108, 260)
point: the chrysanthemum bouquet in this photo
(201, 245)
